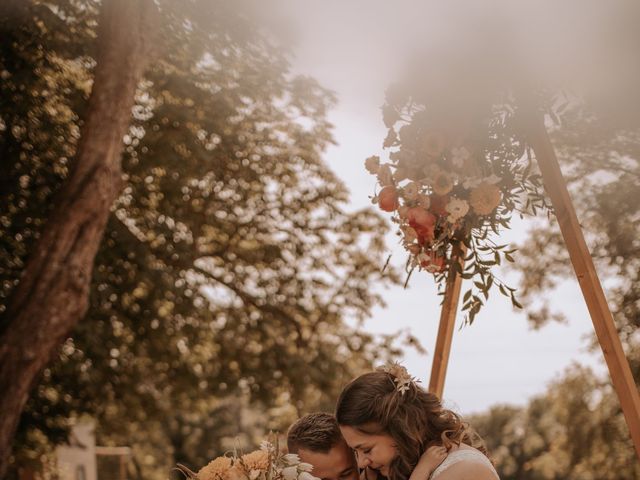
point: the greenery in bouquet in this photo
(455, 175)
(267, 463)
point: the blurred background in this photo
(239, 280)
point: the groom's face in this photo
(339, 463)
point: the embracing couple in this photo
(387, 427)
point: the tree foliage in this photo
(230, 281)
(576, 429)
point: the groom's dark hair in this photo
(317, 432)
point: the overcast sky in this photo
(356, 48)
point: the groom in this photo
(317, 440)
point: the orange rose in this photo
(388, 199)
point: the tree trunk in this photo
(52, 295)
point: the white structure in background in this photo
(77, 460)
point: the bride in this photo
(390, 422)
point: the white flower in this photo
(307, 476)
(290, 473)
(305, 467)
(291, 458)
(457, 209)
(471, 182)
(474, 182)
(458, 156)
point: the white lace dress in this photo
(463, 455)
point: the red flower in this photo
(388, 199)
(423, 222)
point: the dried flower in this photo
(217, 469)
(258, 460)
(385, 177)
(400, 376)
(414, 248)
(372, 164)
(410, 235)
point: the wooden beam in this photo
(595, 299)
(447, 322)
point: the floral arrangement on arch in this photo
(267, 463)
(453, 180)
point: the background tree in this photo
(52, 294)
(229, 268)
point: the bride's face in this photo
(375, 451)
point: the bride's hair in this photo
(414, 418)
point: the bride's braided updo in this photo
(385, 402)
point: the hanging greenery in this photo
(458, 168)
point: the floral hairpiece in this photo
(400, 376)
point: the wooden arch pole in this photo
(601, 317)
(447, 322)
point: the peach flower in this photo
(485, 198)
(388, 199)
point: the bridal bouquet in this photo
(267, 463)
